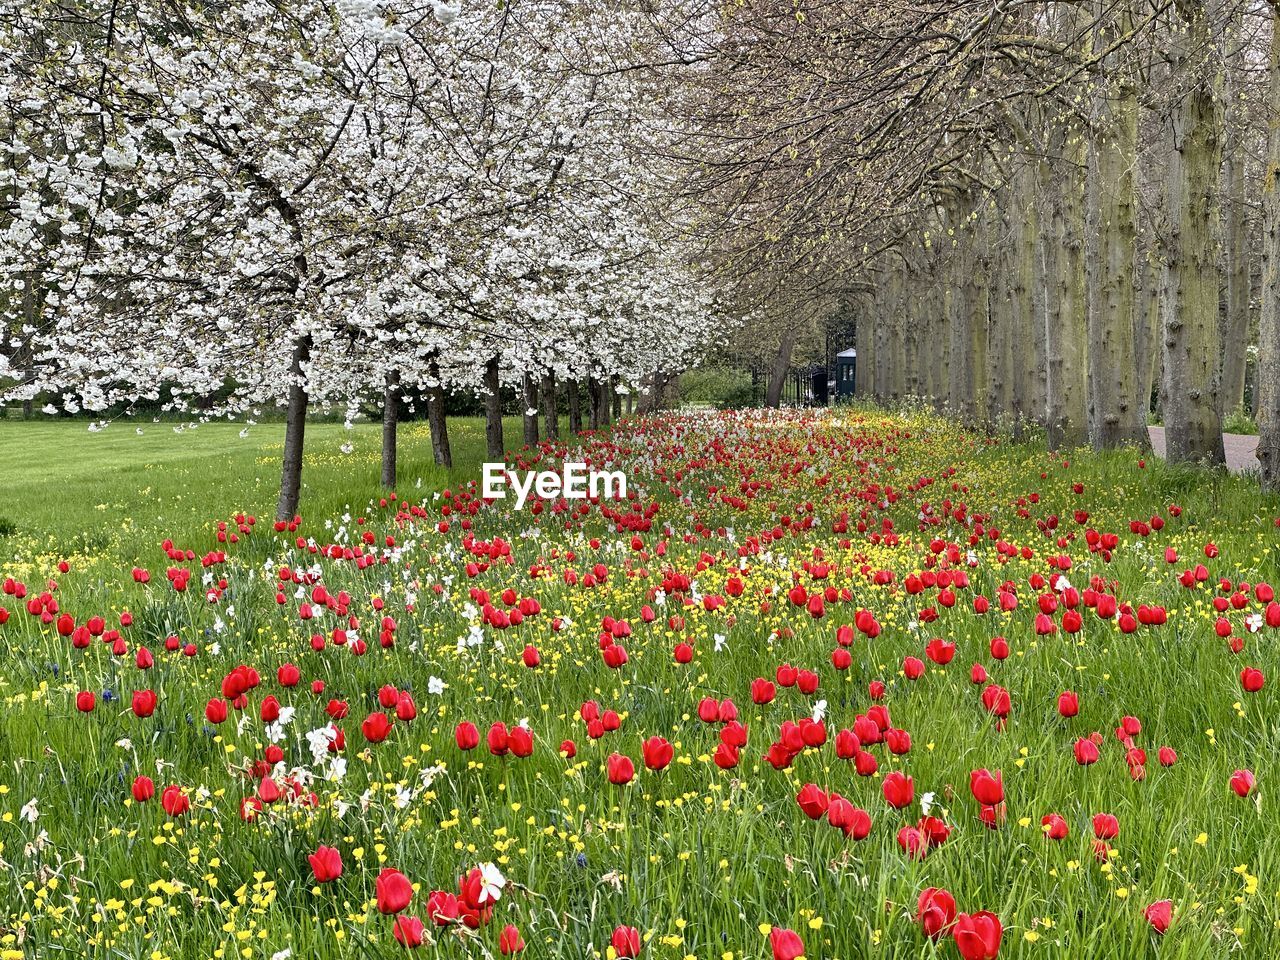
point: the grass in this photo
(69, 490)
(699, 859)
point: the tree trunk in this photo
(1235, 322)
(495, 447)
(1189, 301)
(551, 412)
(1044, 306)
(529, 413)
(914, 323)
(390, 422)
(294, 432)
(970, 308)
(606, 400)
(615, 398)
(593, 398)
(1066, 327)
(781, 362)
(861, 362)
(1001, 327)
(897, 331)
(1267, 371)
(441, 452)
(575, 406)
(1116, 415)
(1146, 334)
(978, 304)
(1023, 236)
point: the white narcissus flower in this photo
(491, 882)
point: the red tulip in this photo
(1086, 752)
(899, 789)
(620, 769)
(987, 787)
(978, 935)
(498, 739)
(846, 745)
(657, 753)
(936, 912)
(1167, 756)
(520, 741)
(376, 727)
(813, 800)
(1105, 826)
(1068, 703)
(626, 942)
(786, 944)
(174, 801)
(144, 789)
(393, 891)
(1159, 915)
(443, 907)
(326, 864)
(762, 691)
(865, 763)
(408, 931)
(914, 842)
(1242, 782)
(940, 651)
(1251, 679)
(85, 701)
(510, 941)
(1054, 826)
(726, 756)
(898, 741)
(466, 736)
(144, 703)
(844, 816)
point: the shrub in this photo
(721, 387)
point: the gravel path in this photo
(1239, 447)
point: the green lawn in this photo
(65, 488)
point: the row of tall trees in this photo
(1043, 213)
(311, 203)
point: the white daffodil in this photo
(491, 883)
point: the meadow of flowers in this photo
(831, 685)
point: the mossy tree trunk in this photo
(1190, 275)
